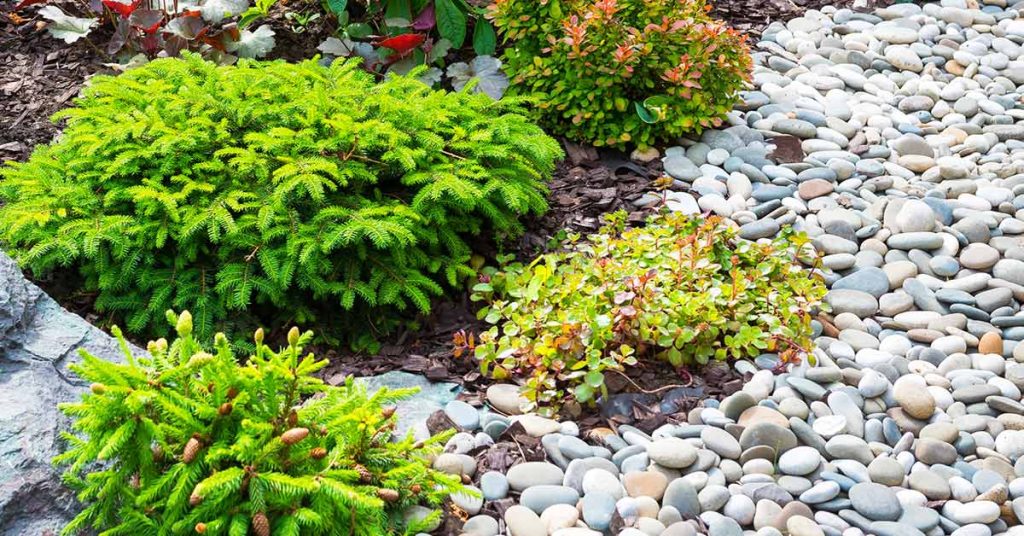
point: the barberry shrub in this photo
(271, 190)
(686, 291)
(615, 72)
(185, 441)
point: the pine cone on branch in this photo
(260, 524)
(191, 450)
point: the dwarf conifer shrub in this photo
(614, 72)
(686, 291)
(186, 441)
(271, 189)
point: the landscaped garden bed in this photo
(672, 278)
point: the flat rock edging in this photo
(38, 341)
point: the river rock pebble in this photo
(909, 182)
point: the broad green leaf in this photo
(359, 30)
(397, 9)
(337, 6)
(485, 41)
(451, 22)
(644, 114)
(594, 379)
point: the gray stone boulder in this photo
(38, 340)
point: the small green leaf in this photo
(492, 317)
(594, 379)
(584, 392)
(556, 9)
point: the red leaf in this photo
(147, 20)
(151, 43)
(122, 8)
(403, 44)
(187, 26)
(426, 19)
(26, 3)
(216, 42)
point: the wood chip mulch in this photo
(752, 16)
(38, 76)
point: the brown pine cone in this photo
(201, 527)
(195, 499)
(191, 450)
(387, 495)
(364, 474)
(294, 435)
(318, 453)
(260, 524)
(388, 412)
(225, 408)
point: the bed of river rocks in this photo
(901, 152)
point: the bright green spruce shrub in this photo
(682, 290)
(271, 190)
(612, 72)
(184, 441)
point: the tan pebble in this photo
(990, 343)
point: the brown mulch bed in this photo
(39, 75)
(752, 16)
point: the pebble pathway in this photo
(911, 422)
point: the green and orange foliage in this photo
(188, 440)
(614, 72)
(682, 290)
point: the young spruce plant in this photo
(268, 193)
(185, 441)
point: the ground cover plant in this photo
(186, 441)
(395, 36)
(683, 290)
(160, 27)
(619, 72)
(414, 29)
(271, 191)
